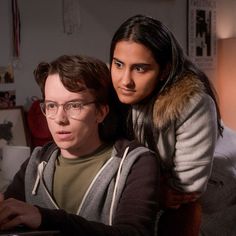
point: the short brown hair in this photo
(78, 73)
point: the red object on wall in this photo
(16, 28)
(37, 123)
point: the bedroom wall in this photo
(43, 37)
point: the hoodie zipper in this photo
(91, 185)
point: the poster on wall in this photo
(201, 36)
(7, 98)
(6, 74)
(12, 127)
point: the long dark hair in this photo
(168, 53)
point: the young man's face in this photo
(75, 136)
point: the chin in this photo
(125, 100)
(63, 145)
(129, 101)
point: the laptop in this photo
(29, 232)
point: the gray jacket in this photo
(121, 200)
(185, 118)
(108, 183)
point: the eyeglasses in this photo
(72, 108)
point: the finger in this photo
(8, 208)
(4, 216)
(13, 222)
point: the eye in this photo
(73, 106)
(118, 64)
(51, 106)
(140, 68)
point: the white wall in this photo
(226, 24)
(42, 36)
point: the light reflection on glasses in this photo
(72, 108)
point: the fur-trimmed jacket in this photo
(185, 119)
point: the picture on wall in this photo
(6, 74)
(12, 127)
(7, 99)
(201, 36)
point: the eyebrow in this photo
(134, 64)
(116, 59)
(73, 100)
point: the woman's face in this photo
(134, 72)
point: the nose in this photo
(61, 116)
(126, 78)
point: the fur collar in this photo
(171, 102)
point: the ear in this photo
(102, 112)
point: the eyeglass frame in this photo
(82, 104)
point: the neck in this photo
(76, 152)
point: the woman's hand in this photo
(14, 212)
(171, 198)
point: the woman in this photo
(87, 182)
(173, 107)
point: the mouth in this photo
(63, 135)
(126, 91)
(62, 132)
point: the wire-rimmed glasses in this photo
(71, 108)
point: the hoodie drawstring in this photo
(39, 176)
(116, 185)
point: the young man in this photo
(87, 182)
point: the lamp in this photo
(226, 80)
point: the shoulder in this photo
(133, 146)
(181, 98)
(138, 161)
(138, 156)
(42, 153)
